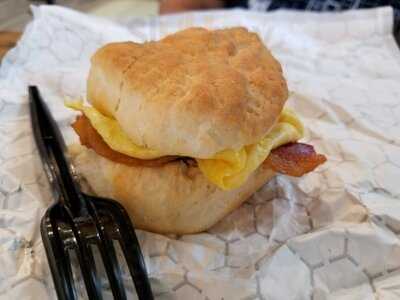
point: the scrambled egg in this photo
(228, 169)
(112, 134)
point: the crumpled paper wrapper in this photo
(332, 234)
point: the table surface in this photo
(8, 39)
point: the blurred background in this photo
(14, 14)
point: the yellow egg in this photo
(112, 133)
(228, 169)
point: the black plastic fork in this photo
(77, 222)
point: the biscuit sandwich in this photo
(183, 130)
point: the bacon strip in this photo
(293, 159)
(90, 138)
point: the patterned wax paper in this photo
(332, 234)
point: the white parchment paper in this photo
(333, 234)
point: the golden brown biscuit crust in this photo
(193, 93)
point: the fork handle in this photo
(52, 151)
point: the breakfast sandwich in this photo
(183, 130)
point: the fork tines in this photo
(63, 233)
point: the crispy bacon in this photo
(294, 159)
(90, 138)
